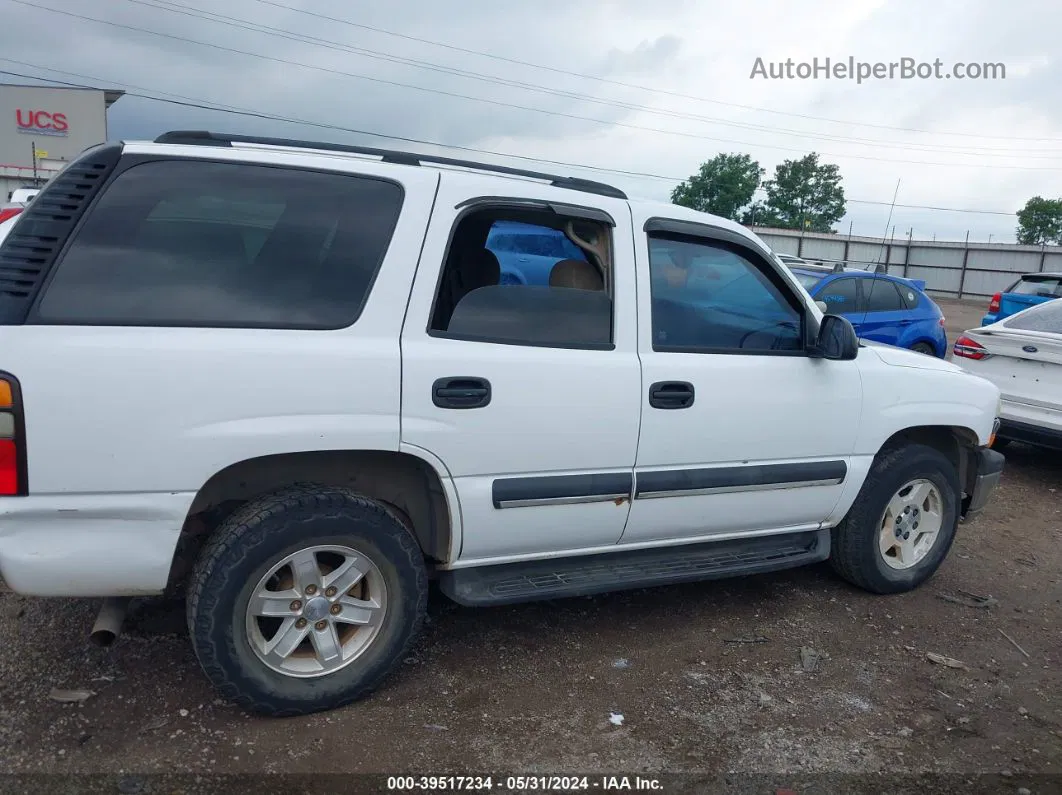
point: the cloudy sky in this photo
(649, 87)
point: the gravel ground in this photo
(796, 676)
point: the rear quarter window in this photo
(909, 295)
(195, 243)
(1045, 317)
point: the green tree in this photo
(804, 194)
(759, 214)
(1040, 221)
(723, 186)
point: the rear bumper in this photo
(1039, 435)
(989, 470)
(90, 544)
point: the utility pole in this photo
(965, 260)
(34, 145)
(907, 251)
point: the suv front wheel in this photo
(902, 523)
(304, 600)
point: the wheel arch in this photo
(408, 484)
(921, 338)
(957, 442)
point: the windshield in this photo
(1039, 285)
(807, 280)
(1045, 317)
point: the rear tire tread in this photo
(238, 536)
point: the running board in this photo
(557, 578)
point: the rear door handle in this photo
(671, 395)
(460, 392)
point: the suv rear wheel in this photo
(902, 523)
(304, 600)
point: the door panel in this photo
(767, 441)
(886, 316)
(543, 462)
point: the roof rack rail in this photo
(205, 138)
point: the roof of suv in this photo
(263, 145)
(204, 138)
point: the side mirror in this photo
(837, 340)
(823, 307)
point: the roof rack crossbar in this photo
(205, 138)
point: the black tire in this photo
(854, 552)
(923, 347)
(254, 538)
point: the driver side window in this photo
(709, 298)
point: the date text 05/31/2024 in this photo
(604, 783)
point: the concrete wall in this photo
(952, 269)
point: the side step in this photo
(583, 575)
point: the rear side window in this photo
(1044, 286)
(1045, 317)
(528, 239)
(561, 302)
(883, 297)
(192, 243)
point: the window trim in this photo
(128, 162)
(727, 240)
(574, 211)
(479, 204)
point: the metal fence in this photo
(956, 270)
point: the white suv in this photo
(283, 378)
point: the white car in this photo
(290, 384)
(1022, 355)
(24, 195)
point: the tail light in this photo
(993, 305)
(966, 348)
(12, 439)
(9, 212)
(941, 321)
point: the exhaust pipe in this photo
(109, 621)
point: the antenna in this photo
(885, 234)
(878, 266)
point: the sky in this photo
(652, 88)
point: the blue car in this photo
(882, 308)
(1030, 290)
(528, 252)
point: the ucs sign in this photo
(40, 122)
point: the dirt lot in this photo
(532, 688)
